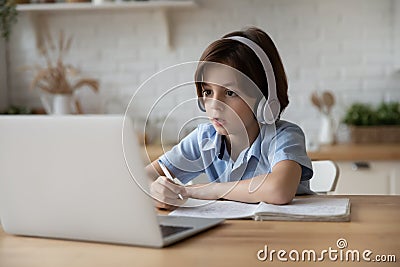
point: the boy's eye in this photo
(230, 93)
(206, 92)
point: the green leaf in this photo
(8, 16)
(360, 114)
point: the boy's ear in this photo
(200, 103)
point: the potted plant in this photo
(8, 16)
(54, 80)
(374, 125)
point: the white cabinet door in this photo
(374, 180)
(395, 180)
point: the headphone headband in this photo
(272, 103)
(266, 63)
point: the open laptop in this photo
(67, 177)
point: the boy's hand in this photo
(166, 193)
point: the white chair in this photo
(325, 177)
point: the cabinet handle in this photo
(360, 165)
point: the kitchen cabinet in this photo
(377, 179)
(379, 176)
(395, 180)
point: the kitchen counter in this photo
(342, 152)
(339, 152)
(152, 152)
(364, 169)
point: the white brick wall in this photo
(396, 34)
(3, 81)
(348, 46)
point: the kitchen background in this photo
(350, 47)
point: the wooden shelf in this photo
(140, 5)
(162, 8)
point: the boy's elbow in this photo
(279, 197)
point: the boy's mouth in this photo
(218, 121)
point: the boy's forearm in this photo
(278, 187)
(262, 188)
(250, 191)
(152, 172)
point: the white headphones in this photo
(267, 110)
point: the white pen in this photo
(169, 176)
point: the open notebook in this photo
(300, 209)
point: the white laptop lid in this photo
(66, 177)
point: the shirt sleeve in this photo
(289, 144)
(184, 160)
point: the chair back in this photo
(325, 177)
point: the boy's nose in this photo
(216, 103)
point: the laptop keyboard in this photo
(168, 230)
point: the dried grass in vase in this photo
(53, 78)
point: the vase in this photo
(58, 104)
(327, 130)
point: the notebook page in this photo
(308, 207)
(217, 209)
(193, 202)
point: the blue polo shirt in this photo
(202, 151)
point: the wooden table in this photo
(375, 226)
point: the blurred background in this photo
(349, 48)
(342, 59)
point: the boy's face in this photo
(228, 107)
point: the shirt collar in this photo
(215, 142)
(255, 148)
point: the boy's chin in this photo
(220, 130)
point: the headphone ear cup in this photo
(200, 103)
(268, 112)
(260, 110)
(271, 111)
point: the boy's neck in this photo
(236, 143)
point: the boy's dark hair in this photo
(243, 59)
